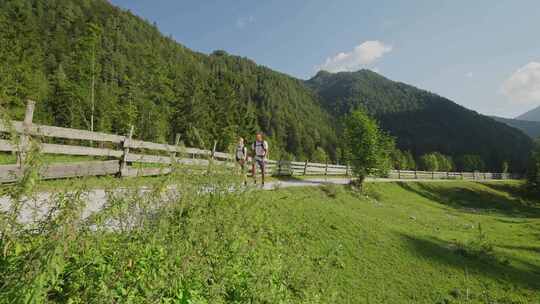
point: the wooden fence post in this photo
(347, 170)
(176, 142)
(305, 167)
(415, 174)
(25, 136)
(433, 175)
(279, 168)
(326, 168)
(447, 175)
(398, 174)
(125, 145)
(214, 149)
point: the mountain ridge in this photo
(531, 128)
(531, 115)
(52, 51)
(422, 121)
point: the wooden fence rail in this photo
(120, 153)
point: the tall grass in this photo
(184, 240)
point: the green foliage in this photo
(89, 63)
(429, 162)
(319, 156)
(471, 163)
(436, 162)
(409, 160)
(533, 170)
(422, 122)
(403, 160)
(203, 243)
(367, 147)
(505, 168)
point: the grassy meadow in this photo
(451, 242)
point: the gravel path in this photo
(39, 205)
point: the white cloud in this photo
(469, 75)
(362, 55)
(242, 22)
(523, 86)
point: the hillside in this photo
(68, 55)
(532, 115)
(93, 66)
(452, 242)
(531, 128)
(422, 121)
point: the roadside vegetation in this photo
(193, 238)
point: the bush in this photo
(533, 171)
(368, 148)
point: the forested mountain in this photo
(91, 65)
(531, 128)
(532, 115)
(422, 121)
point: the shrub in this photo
(533, 171)
(368, 148)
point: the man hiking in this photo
(260, 154)
(241, 157)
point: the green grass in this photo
(452, 242)
(414, 242)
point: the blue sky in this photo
(482, 55)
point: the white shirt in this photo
(261, 149)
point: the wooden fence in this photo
(119, 155)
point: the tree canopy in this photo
(367, 147)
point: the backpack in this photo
(261, 144)
(241, 153)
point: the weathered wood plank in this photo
(318, 165)
(59, 132)
(7, 146)
(337, 167)
(10, 173)
(139, 144)
(147, 158)
(80, 169)
(79, 150)
(223, 155)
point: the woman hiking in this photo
(241, 158)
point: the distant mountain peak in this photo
(532, 115)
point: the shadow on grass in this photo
(449, 254)
(481, 199)
(534, 249)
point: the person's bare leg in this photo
(254, 171)
(263, 171)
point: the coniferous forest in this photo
(93, 66)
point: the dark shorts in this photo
(261, 163)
